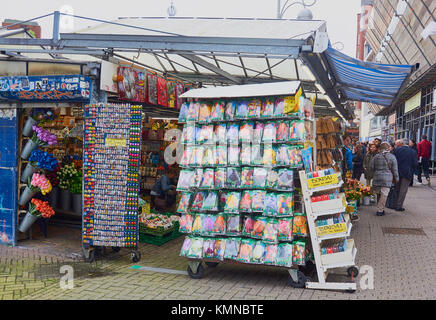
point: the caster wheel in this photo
(90, 257)
(302, 279)
(198, 275)
(135, 256)
(212, 264)
(353, 272)
(116, 249)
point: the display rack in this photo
(326, 262)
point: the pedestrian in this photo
(364, 148)
(377, 142)
(412, 144)
(385, 168)
(407, 164)
(358, 163)
(163, 192)
(348, 154)
(391, 201)
(424, 152)
(372, 151)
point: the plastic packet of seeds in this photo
(246, 132)
(205, 134)
(248, 225)
(208, 248)
(207, 181)
(232, 202)
(270, 254)
(254, 108)
(246, 250)
(258, 200)
(188, 133)
(242, 109)
(259, 227)
(233, 155)
(185, 223)
(285, 204)
(269, 155)
(210, 203)
(234, 225)
(185, 200)
(256, 155)
(269, 132)
(183, 114)
(245, 156)
(267, 108)
(270, 208)
(196, 248)
(258, 252)
(282, 155)
(271, 229)
(204, 113)
(196, 178)
(218, 111)
(271, 179)
(209, 156)
(285, 229)
(185, 247)
(233, 178)
(221, 155)
(285, 179)
(197, 203)
(282, 134)
(297, 131)
(258, 132)
(230, 110)
(279, 107)
(197, 224)
(207, 221)
(185, 178)
(220, 178)
(247, 177)
(232, 248)
(232, 133)
(259, 177)
(219, 248)
(295, 157)
(187, 155)
(194, 108)
(284, 254)
(246, 201)
(300, 225)
(220, 133)
(299, 252)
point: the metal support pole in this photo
(56, 20)
(278, 10)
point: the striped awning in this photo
(367, 81)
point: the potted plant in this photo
(37, 209)
(37, 115)
(39, 183)
(366, 196)
(39, 159)
(65, 175)
(76, 190)
(40, 138)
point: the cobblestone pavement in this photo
(404, 267)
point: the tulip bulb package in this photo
(233, 177)
(234, 225)
(184, 202)
(207, 180)
(258, 252)
(230, 110)
(267, 108)
(196, 248)
(232, 202)
(220, 178)
(254, 108)
(220, 133)
(197, 203)
(219, 249)
(185, 178)
(218, 110)
(246, 201)
(258, 200)
(246, 250)
(208, 248)
(245, 155)
(246, 131)
(185, 222)
(183, 114)
(233, 155)
(247, 178)
(284, 255)
(285, 229)
(204, 113)
(193, 111)
(210, 203)
(232, 248)
(270, 254)
(242, 110)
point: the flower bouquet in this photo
(40, 138)
(65, 175)
(37, 115)
(43, 160)
(353, 195)
(37, 209)
(366, 194)
(41, 182)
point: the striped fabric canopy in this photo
(367, 81)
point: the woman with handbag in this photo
(385, 174)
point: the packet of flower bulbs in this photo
(232, 202)
(271, 229)
(219, 225)
(185, 178)
(258, 200)
(218, 111)
(295, 157)
(185, 247)
(208, 248)
(197, 224)
(254, 108)
(299, 252)
(271, 179)
(247, 178)
(234, 225)
(285, 229)
(207, 221)
(196, 248)
(183, 114)
(284, 255)
(220, 178)
(242, 109)
(197, 156)
(209, 156)
(197, 203)
(285, 179)
(279, 107)
(221, 155)
(194, 108)
(282, 131)
(258, 132)
(256, 155)
(186, 222)
(259, 177)
(233, 155)
(248, 225)
(187, 155)
(188, 133)
(232, 248)
(246, 250)
(300, 225)
(207, 180)
(269, 132)
(258, 252)
(197, 176)
(219, 248)
(230, 110)
(246, 132)
(185, 200)
(245, 155)
(285, 204)
(204, 113)
(282, 155)
(210, 203)
(270, 208)
(267, 108)
(269, 155)
(297, 131)
(259, 227)
(246, 201)
(233, 178)
(220, 133)
(205, 134)
(270, 256)
(232, 135)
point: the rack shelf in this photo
(348, 225)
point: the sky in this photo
(341, 15)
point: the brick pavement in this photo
(404, 267)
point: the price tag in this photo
(331, 229)
(110, 142)
(322, 181)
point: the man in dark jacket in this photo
(424, 153)
(407, 164)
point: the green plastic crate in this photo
(159, 240)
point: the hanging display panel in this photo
(111, 174)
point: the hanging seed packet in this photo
(185, 247)
(270, 208)
(185, 223)
(196, 248)
(185, 178)
(247, 228)
(207, 222)
(254, 108)
(234, 226)
(209, 156)
(259, 177)
(208, 248)
(284, 255)
(269, 132)
(300, 225)
(279, 108)
(207, 179)
(232, 202)
(206, 134)
(230, 110)
(259, 227)
(258, 252)
(204, 113)
(299, 252)
(233, 133)
(197, 225)
(221, 155)
(197, 203)
(258, 132)
(247, 178)
(258, 200)
(269, 156)
(219, 249)
(221, 133)
(220, 178)
(184, 202)
(233, 178)
(256, 155)
(188, 134)
(196, 178)
(285, 204)
(285, 229)
(271, 229)
(283, 131)
(183, 113)
(285, 179)
(232, 248)
(222, 196)
(198, 154)
(270, 254)
(187, 155)
(268, 108)
(218, 111)
(233, 155)
(242, 110)
(282, 155)
(210, 203)
(297, 131)
(193, 111)
(245, 156)
(271, 179)
(246, 200)
(246, 250)
(295, 157)
(246, 131)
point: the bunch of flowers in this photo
(366, 191)
(43, 160)
(65, 175)
(42, 115)
(353, 195)
(76, 183)
(352, 184)
(40, 208)
(43, 137)
(42, 183)
(53, 176)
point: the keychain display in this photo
(197, 203)
(232, 133)
(185, 179)
(245, 155)
(196, 179)
(297, 131)
(247, 178)
(196, 248)
(220, 178)
(259, 177)
(219, 248)
(256, 155)
(234, 225)
(285, 204)
(279, 107)
(282, 131)
(285, 179)
(269, 156)
(269, 132)
(233, 155)
(242, 110)
(254, 108)
(267, 108)
(270, 234)
(232, 248)
(233, 178)
(258, 132)
(246, 132)
(246, 201)
(183, 113)
(207, 180)
(284, 254)
(209, 156)
(185, 200)
(270, 207)
(230, 110)
(258, 252)
(270, 254)
(246, 250)
(204, 113)
(210, 203)
(300, 225)
(185, 223)
(193, 111)
(208, 248)
(299, 252)
(259, 227)
(258, 200)
(247, 228)
(232, 202)
(218, 110)
(220, 133)
(285, 229)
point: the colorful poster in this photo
(151, 89)
(162, 95)
(171, 92)
(131, 84)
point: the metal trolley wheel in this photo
(88, 255)
(301, 280)
(135, 256)
(198, 275)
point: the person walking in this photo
(391, 201)
(407, 164)
(385, 168)
(424, 152)
(412, 144)
(358, 162)
(348, 154)
(372, 151)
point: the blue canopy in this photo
(367, 81)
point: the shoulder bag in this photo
(394, 181)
